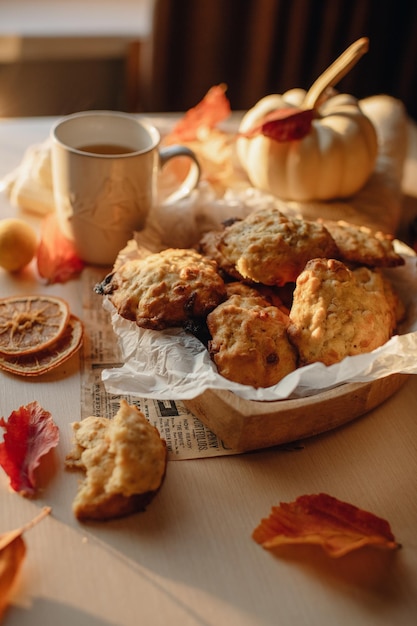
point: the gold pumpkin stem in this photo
(335, 72)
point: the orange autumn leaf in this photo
(56, 257)
(210, 111)
(12, 554)
(336, 526)
(198, 129)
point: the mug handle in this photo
(191, 180)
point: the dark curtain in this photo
(258, 47)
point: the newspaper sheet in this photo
(186, 436)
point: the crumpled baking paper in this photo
(174, 365)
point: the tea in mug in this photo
(105, 148)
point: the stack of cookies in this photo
(268, 293)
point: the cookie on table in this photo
(165, 289)
(270, 248)
(124, 460)
(249, 343)
(337, 312)
(361, 246)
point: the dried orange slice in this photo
(31, 323)
(37, 363)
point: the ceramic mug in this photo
(105, 168)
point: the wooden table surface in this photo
(189, 559)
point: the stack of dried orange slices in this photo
(37, 333)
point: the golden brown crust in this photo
(249, 342)
(124, 460)
(362, 246)
(271, 248)
(337, 313)
(166, 289)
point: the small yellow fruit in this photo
(18, 243)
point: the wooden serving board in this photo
(249, 425)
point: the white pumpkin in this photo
(334, 154)
(334, 160)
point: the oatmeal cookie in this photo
(338, 313)
(124, 460)
(249, 342)
(165, 289)
(362, 246)
(271, 248)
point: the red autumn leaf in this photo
(56, 257)
(338, 527)
(284, 125)
(30, 433)
(210, 111)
